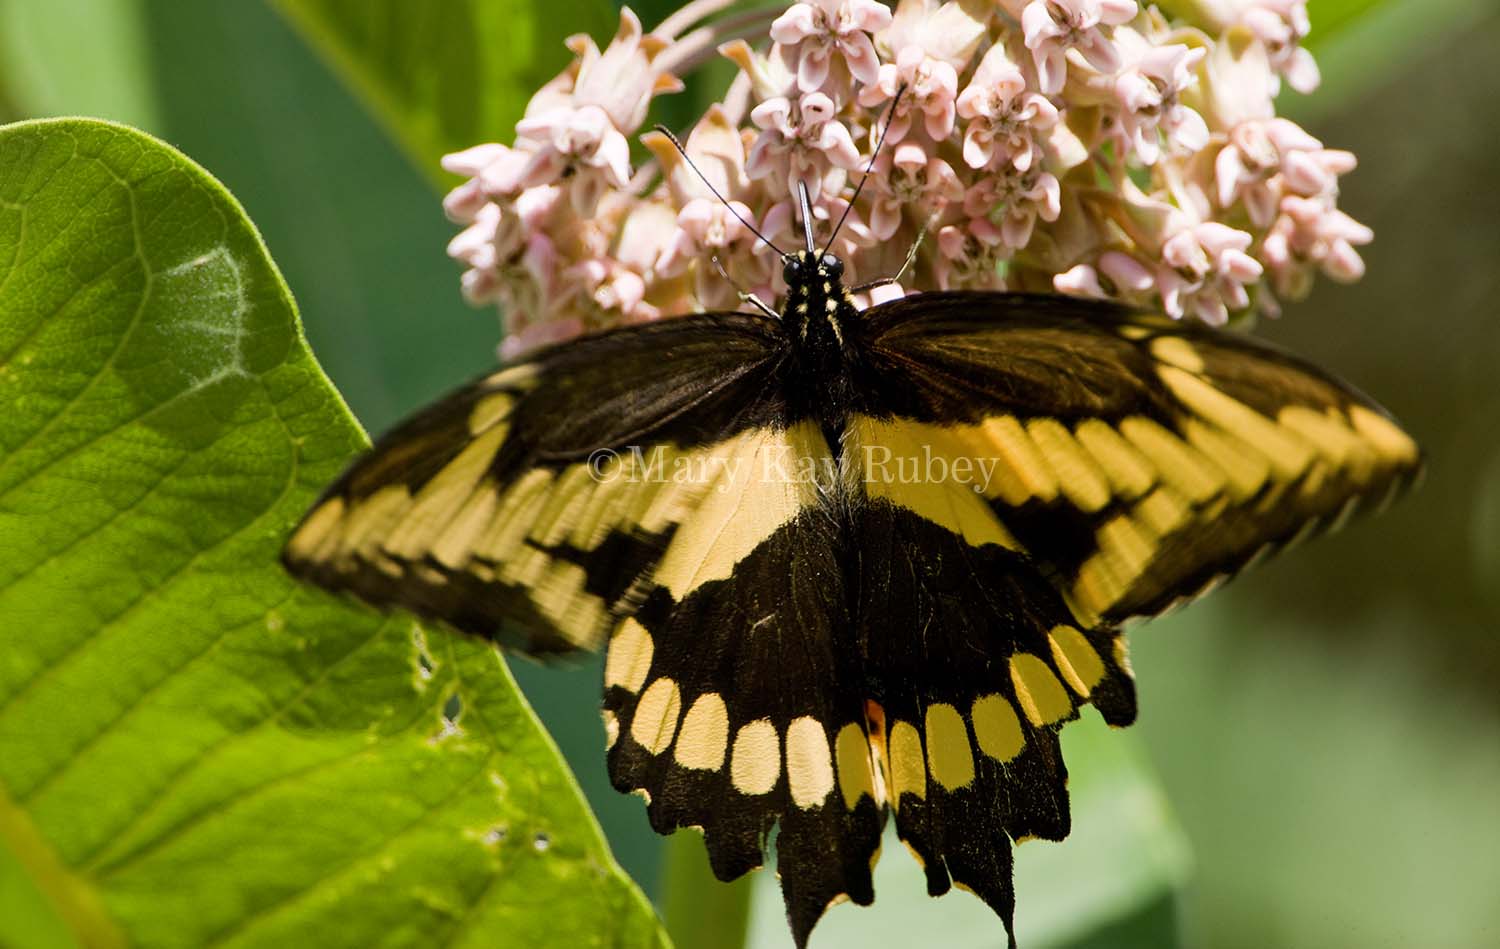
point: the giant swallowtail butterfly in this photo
(853, 564)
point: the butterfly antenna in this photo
(722, 200)
(807, 234)
(889, 114)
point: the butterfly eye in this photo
(791, 271)
(833, 266)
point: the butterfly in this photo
(851, 565)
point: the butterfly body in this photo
(853, 565)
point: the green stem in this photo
(700, 912)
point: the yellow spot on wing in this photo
(1041, 696)
(1076, 659)
(1287, 453)
(749, 502)
(373, 518)
(629, 657)
(440, 499)
(522, 377)
(809, 764)
(856, 777)
(1021, 473)
(559, 594)
(1078, 476)
(1392, 443)
(1178, 352)
(1334, 440)
(1181, 466)
(676, 481)
(1162, 512)
(1128, 471)
(908, 773)
(565, 502)
(755, 762)
(454, 545)
(996, 727)
(489, 410)
(890, 451)
(655, 719)
(311, 541)
(513, 515)
(948, 753)
(605, 508)
(704, 735)
(525, 567)
(1246, 468)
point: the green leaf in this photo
(51, 66)
(1125, 858)
(194, 750)
(445, 76)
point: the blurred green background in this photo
(1327, 729)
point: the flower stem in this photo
(701, 912)
(694, 49)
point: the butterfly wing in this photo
(711, 558)
(734, 694)
(526, 504)
(1137, 460)
(1034, 470)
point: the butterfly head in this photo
(817, 303)
(807, 267)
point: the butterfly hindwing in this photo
(733, 693)
(525, 505)
(1138, 461)
(974, 661)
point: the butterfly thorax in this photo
(821, 322)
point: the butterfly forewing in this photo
(1136, 460)
(524, 506)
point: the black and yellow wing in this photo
(1139, 460)
(650, 487)
(891, 603)
(1030, 472)
(525, 505)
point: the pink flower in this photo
(575, 127)
(907, 175)
(969, 255)
(1106, 148)
(1205, 271)
(1005, 122)
(1014, 200)
(1280, 25)
(526, 335)
(1310, 233)
(801, 143)
(1115, 276)
(705, 228)
(946, 31)
(1264, 159)
(824, 27)
(930, 87)
(463, 203)
(1052, 27)
(580, 144)
(622, 79)
(1148, 93)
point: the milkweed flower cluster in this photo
(1094, 147)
